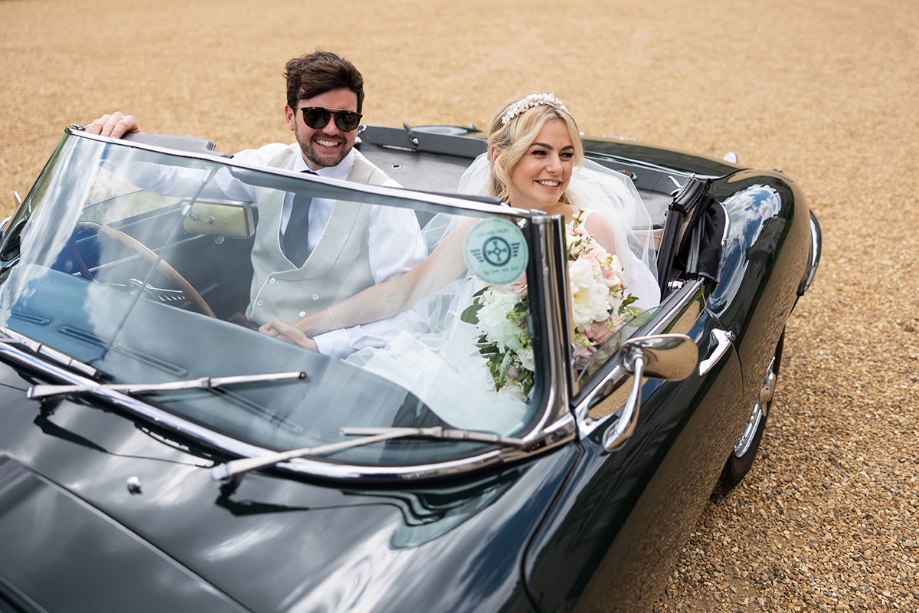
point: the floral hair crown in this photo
(529, 102)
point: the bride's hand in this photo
(285, 332)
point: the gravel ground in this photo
(829, 518)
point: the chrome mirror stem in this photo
(671, 357)
(616, 436)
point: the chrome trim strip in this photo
(814, 256)
(615, 377)
(54, 354)
(563, 427)
(236, 447)
(233, 446)
(725, 237)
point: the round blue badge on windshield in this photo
(495, 251)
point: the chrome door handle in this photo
(724, 338)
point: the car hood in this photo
(75, 532)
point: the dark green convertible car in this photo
(155, 454)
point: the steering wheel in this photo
(146, 254)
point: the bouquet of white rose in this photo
(499, 312)
(600, 305)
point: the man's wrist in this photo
(335, 344)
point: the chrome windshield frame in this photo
(559, 375)
(551, 426)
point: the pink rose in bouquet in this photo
(581, 354)
(519, 287)
(599, 332)
(600, 299)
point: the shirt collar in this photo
(341, 171)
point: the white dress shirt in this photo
(394, 241)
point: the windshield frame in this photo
(545, 236)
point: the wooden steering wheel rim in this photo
(145, 253)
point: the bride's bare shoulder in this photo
(601, 230)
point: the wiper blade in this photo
(15, 338)
(438, 432)
(232, 470)
(47, 391)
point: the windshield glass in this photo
(153, 267)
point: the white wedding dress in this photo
(443, 366)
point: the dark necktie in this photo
(295, 242)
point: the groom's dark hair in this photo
(318, 72)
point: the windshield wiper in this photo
(47, 391)
(15, 338)
(229, 472)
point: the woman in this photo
(533, 152)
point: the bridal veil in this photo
(610, 194)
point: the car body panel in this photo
(678, 161)
(765, 253)
(766, 257)
(95, 563)
(628, 512)
(563, 525)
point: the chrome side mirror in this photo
(671, 357)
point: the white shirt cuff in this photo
(334, 344)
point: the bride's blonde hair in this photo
(514, 128)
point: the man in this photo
(307, 256)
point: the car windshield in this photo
(154, 266)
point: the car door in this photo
(626, 513)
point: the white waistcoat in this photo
(338, 267)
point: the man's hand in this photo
(285, 332)
(115, 125)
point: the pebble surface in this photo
(828, 519)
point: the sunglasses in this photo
(317, 118)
